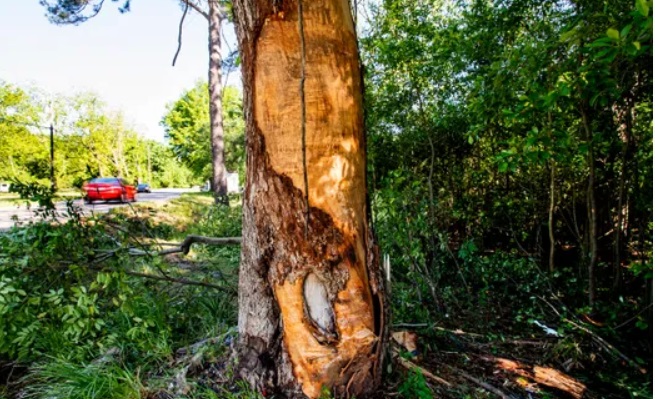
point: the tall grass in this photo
(62, 379)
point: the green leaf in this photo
(568, 35)
(642, 7)
(626, 29)
(613, 34)
(637, 45)
(602, 42)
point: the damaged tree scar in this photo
(318, 310)
(290, 255)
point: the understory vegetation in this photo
(91, 309)
(510, 167)
(510, 181)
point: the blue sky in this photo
(124, 58)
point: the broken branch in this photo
(609, 348)
(185, 245)
(409, 365)
(183, 281)
(480, 383)
(547, 376)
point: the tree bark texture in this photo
(591, 212)
(311, 298)
(551, 226)
(624, 118)
(219, 180)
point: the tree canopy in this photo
(187, 128)
(89, 140)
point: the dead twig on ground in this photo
(409, 365)
(185, 246)
(478, 382)
(609, 348)
(183, 281)
(427, 325)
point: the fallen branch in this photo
(459, 332)
(547, 376)
(183, 281)
(185, 245)
(480, 383)
(518, 342)
(426, 325)
(409, 365)
(609, 348)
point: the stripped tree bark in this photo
(311, 297)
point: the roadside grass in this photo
(13, 200)
(92, 321)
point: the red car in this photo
(107, 189)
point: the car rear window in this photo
(104, 180)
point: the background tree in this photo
(187, 125)
(522, 120)
(75, 12)
(89, 141)
(22, 152)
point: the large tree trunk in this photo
(219, 181)
(311, 300)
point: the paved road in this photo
(24, 215)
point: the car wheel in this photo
(88, 200)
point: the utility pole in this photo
(53, 182)
(149, 165)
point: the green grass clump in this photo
(61, 379)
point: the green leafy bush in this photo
(415, 386)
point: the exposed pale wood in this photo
(305, 210)
(547, 376)
(406, 339)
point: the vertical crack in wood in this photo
(303, 111)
